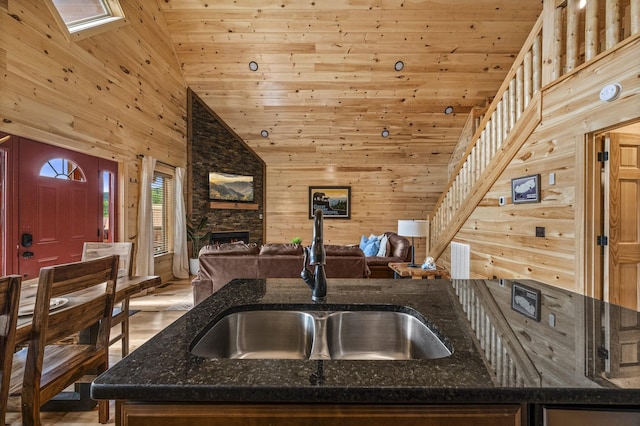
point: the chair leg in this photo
(103, 411)
(103, 404)
(125, 328)
(31, 411)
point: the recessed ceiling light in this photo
(385, 133)
(398, 66)
(264, 133)
(448, 110)
(253, 66)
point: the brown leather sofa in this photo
(225, 262)
(398, 250)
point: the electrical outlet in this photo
(502, 201)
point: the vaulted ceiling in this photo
(326, 84)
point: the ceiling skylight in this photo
(78, 16)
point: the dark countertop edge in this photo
(355, 395)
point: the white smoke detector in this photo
(610, 92)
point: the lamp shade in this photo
(413, 228)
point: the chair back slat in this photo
(9, 302)
(75, 318)
(73, 277)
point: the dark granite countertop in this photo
(550, 351)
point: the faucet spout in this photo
(317, 257)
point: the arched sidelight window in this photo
(62, 168)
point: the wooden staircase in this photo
(564, 40)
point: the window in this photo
(61, 168)
(76, 13)
(83, 18)
(162, 205)
(108, 213)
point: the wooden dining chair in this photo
(84, 293)
(94, 250)
(9, 302)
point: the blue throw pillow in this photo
(371, 249)
(363, 242)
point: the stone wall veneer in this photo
(216, 148)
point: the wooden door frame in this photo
(591, 212)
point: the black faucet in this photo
(317, 281)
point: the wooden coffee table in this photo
(417, 273)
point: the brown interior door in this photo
(624, 220)
(60, 205)
(622, 340)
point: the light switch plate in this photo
(552, 178)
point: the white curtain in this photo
(144, 256)
(180, 256)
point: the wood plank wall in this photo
(380, 195)
(502, 239)
(114, 95)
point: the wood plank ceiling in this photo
(326, 87)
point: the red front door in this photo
(59, 207)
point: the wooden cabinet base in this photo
(143, 414)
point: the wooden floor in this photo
(157, 309)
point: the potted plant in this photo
(296, 240)
(196, 234)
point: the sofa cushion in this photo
(337, 250)
(400, 246)
(382, 261)
(230, 249)
(281, 249)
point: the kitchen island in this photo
(518, 348)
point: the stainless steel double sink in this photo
(393, 333)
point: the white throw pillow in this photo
(382, 252)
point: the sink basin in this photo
(259, 335)
(315, 334)
(382, 335)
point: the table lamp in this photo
(413, 228)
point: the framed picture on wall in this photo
(526, 300)
(334, 201)
(525, 189)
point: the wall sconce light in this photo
(264, 133)
(253, 66)
(385, 133)
(398, 66)
(448, 110)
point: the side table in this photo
(403, 270)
